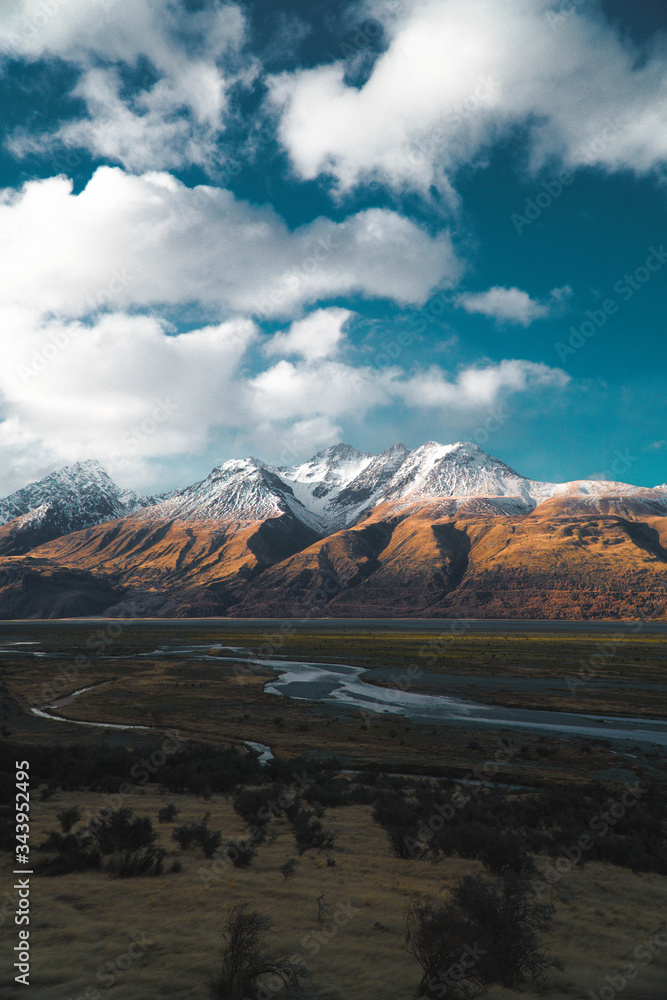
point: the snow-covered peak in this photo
(241, 489)
(337, 465)
(316, 483)
(69, 499)
(83, 491)
(454, 470)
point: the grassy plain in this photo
(84, 920)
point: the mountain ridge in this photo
(437, 531)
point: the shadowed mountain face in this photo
(442, 531)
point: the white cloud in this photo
(181, 106)
(82, 389)
(511, 305)
(126, 390)
(319, 335)
(460, 74)
(127, 241)
(478, 387)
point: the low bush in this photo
(68, 818)
(168, 813)
(119, 832)
(71, 855)
(309, 832)
(137, 863)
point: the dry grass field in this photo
(85, 926)
(83, 922)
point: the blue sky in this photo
(263, 228)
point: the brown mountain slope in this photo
(151, 567)
(542, 565)
(565, 559)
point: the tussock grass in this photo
(83, 921)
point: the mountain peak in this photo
(340, 450)
(71, 498)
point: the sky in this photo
(263, 228)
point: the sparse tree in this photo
(245, 959)
(488, 932)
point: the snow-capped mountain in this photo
(339, 485)
(241, 489)
(462, 471)
(67, 500)
(366, 489)
(439, 531)
(331, 491)
(454, 470)
(341, 482)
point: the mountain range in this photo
(438, 531)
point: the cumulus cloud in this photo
(512, 305)
(126, 389)
(188, 60)
(319, 335)
(127, 241)
(478, 386)
(460, 74)
(82, 389)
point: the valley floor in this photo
(154, 674)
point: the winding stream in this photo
(342, 685)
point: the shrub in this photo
(118, 832)
(439, 939)
(509, 919)
(168, 813)
(135, 863)
(68, 818)
(258, 806)
(309, 832)
(241, 853)
(210, 842)
(188, 834)
(502, 852)
(497, 923)
(403, 842)
(72, 854)
(289, 868)
(198, 833)
(245, 959)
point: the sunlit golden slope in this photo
(569, 558)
